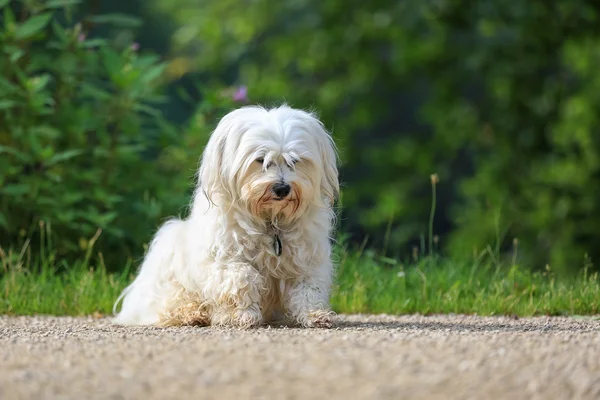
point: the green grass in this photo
(365, 283)
(40, 284)
(434, 285)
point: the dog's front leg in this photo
(307, 298)
(236, 294)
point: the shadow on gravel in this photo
(465, 326)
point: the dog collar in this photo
(277, 245)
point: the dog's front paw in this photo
(248, 318)
(318, 319)
(237, 317)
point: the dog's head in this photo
(274, 163)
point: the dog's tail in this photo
(142, 301)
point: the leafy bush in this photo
(499, 98)
(496, 97)
(82, 143)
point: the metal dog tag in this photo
(277, 245)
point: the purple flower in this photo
(241, 94)
(81, 37)
(135, 46)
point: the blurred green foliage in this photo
(499, 98)
(83, 145)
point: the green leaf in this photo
(8, 86)
(112, 62)
(154, 112)
(63, 156)
(46, 131)
(15, 55)
(121, 20)
(38, 83)
(147, 61)
(94, 92)
(9, 150)
(94, 43)
(33, 25)
(3, 221)
(101, 220)
(15, 190)
(9, 19)
(153, 73)
(6, 104)
(59, 31)
(4, 3)
(388, 260)
(131, 149)
(61, 3)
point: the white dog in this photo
(257, 240)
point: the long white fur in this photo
(219, 266)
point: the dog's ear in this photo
(212, 176)
(330, 185)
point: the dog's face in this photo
(274, 163)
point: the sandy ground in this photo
(364, 357)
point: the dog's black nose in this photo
(281, 190)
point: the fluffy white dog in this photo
(257, 240)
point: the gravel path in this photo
(364, 357)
